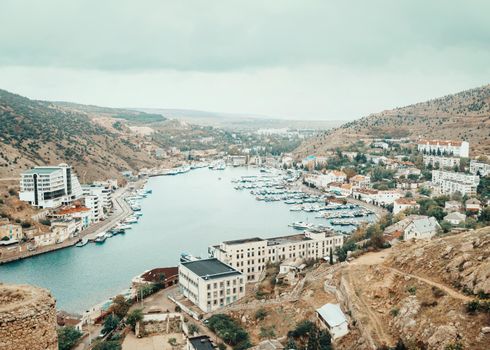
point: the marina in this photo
(188, 206)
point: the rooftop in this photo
(332, 314)
(41, 170)
(201, 342)
(210, 268)
(245, 240)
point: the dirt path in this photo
(374, 323)
(453, 293)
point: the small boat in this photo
(83, 242)
(100, 238)
(108, 234)
(131, 220)
(301, 225)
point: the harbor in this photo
(199, 207)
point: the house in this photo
(166, 276)
(451, 206)
(380, 144)
(360, 181)
(80, 214)
(387, 197)
(406, 172)
(414, 226)
(331, 317)
(402, 204)
(49, 186)
(444, 147)
(200, 342)
(455, 218)
(63, 230)
(473, 205)
(210, 284)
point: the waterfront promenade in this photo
(120, 211)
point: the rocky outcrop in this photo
(27, 318)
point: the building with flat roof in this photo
(331, 317)
(449, 182)
(210, 283)
(49, 186)
(200, 342)
(250, 256)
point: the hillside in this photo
(40, 132)
(465, 115)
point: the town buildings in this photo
(402, 204)
(210, 283)
(479, 168)
(473, 205)
(440, 161)
(377, 197)
(251, 256)
(444, 147)
(49, 186)
(360, 181)
(447, 182)
(414, 226)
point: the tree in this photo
(193, 329)
(331, 257)
(134, 317)
(119, 306)
(484, 215)
(445, 226)
(436, 212)
(260, 314)
(68, 337)
(110, 323)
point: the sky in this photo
(322, 60)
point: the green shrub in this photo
(68, 337)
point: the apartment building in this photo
(479, 168)
(210, 283)
(444, 147)
(94, 203)
(376, 197)
(441, 162)
(49, 186)
(448, 182)
(103, 192)
(250, 256)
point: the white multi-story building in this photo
(448, 182)
(442, 162)
(402, 204)
(49, 186)
(479, 168)
(104, 193)
(444, 148)
(251, 256)
(94, 203)
(210, 284)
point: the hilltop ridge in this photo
(461, 116)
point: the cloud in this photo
(229, 35)
(300, 59)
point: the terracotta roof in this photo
(409, 201)
(154, 275)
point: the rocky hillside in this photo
(465, 115)
(418, 294)
(40, 132)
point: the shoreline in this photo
(123, 212)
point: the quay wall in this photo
(27, 318)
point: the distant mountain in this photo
(235, 121)
(461, 116)
(39, 132)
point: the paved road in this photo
(121, 211)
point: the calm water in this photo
(185, 213)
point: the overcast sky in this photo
(296, 59)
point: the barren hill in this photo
(465, 115)
(40, 132)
